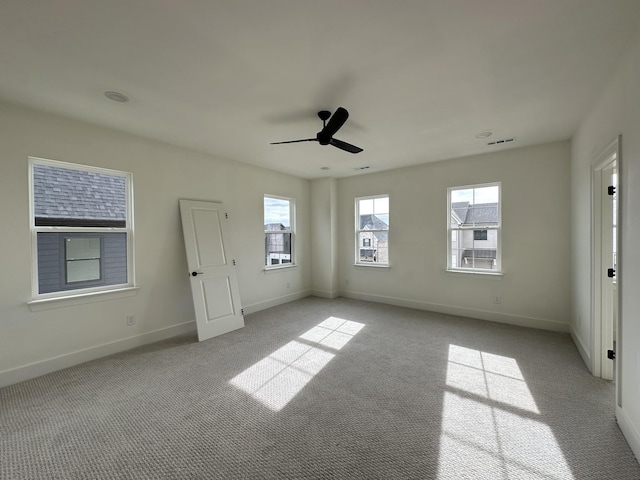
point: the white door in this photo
(214, 285)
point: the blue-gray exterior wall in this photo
(51, 261)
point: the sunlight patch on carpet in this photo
(489, 414)
(276, 379)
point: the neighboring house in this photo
(277, 245)
(477, 246)
(374, 244)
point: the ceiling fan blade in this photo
(335, 122)
(296, 141)
(347, 147)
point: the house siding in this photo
(51, 268)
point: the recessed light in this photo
(484, 134)
(324, 168)
(116, 96)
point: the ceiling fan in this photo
(325, 136)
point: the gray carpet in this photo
(323, 389)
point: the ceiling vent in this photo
(500, 142)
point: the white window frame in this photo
(290, 231)
(358, 231)
(457, 232)
(128, 230)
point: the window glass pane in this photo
(381, 205)
(277, 248)
(82, 259)
(83, 270)
(79, 248)
(277, 212)
(365, 206)
(62, 195)
(373, 247)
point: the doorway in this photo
(606, 278)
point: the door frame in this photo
(602, 162)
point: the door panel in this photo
(214, 284)
(217, 298)
(208, 233)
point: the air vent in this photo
(500, 142)
(361, 168)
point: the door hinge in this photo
(611, 355)
(226, 215)
(611, 272)
(234, 261)
(611, 190)
(242, 311)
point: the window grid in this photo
(279, 231)
(372, 230)
(474, 228)
(53, 225)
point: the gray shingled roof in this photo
(274, 227)
(373, 222)
(480, 214)
(69, 193)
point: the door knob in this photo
(195, 274)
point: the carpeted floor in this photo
(323, 389)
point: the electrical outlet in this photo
(131, 320)
(497, 300)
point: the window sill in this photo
(475, 272)
(279, 267)
(373, 265)
(80, 298)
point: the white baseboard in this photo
(582, 349)
(325, 294)
(629, 430)
(519, 320)
(273, 302)
(36, 369)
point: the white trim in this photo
(273, 302)
(291, 230)
(325, 293)
(630, 432)
(358, 231)
(282, 266)
(605, 158)
(583, 350)
(480, 273)
(36, 369)
(519, 320)
(129, 230)
(81, 298)
(497, 228)
(372, 265)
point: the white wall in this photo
(324, 253)
(617, 112)
(35, 342)
(535, 288)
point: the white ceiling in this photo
(419, 78)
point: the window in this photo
(474, 228)
(279, 215)
(81, 227)
(479, 234)
(372, 230)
